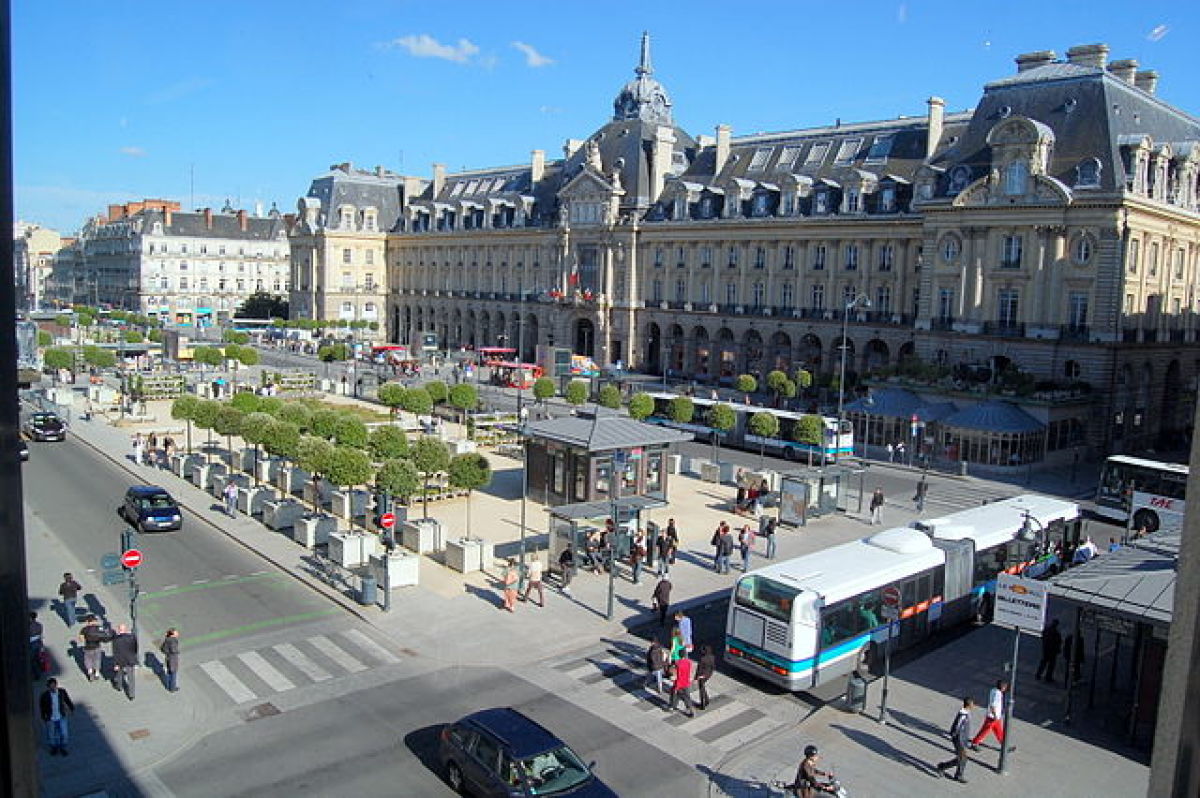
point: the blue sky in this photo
(118, 100)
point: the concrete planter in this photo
(316, 494)
(282, 514)
(350, 550)
(312, 530)
(350, 504)
(424, 536)
(182, 464)
(199, 474)
(246, 459)
(252, 500)
(215, 479)
(401, 570)
(467, 555)
(292, 479)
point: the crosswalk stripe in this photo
(305, 665)
(266, 671)
(711, 717)
(750, 731)
(224, 678)
(369, 645)
(338, 655)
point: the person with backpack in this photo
(877, 506)
(746, 546)
(656, 665)
(768, 532)
(960, 735)
(724, 549)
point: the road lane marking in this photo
(199, 581)
(266, 671)
(711, 717)
(338, 655)
(206, 585)
(369, 645)
(305, 665)
(264, 624)
(224, 678)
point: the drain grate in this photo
(262, 711)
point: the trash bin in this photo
(856, 693)
(962, 468)
(367, 590)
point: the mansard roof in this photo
(344, 185)
(228, 226)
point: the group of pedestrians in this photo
(675, 663)
(960, 730)
(149, 450)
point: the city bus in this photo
(1152, 490)
(832, 446)
(511, 374)
(815, 619)
(250, 325)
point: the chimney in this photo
(1124, 69)
(537, 166)
(660, 159)
(168, 215)
(439, 178)
(723, 135)
(1146, 80)
(936, 119)
(242, 223)
(571, 147)
(1088, 55)
(208, 218)
(379, 171)
(1028, 61)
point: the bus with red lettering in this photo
(1151, 490)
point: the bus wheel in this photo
(1146, 519)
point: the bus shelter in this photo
(571, 524)
(815, 492)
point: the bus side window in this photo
(867, 611)
(908, 593)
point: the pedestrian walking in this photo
(170, 651)
(593, 551)
(739, 503)
(724, 550)
(681, 686)
(877, 506)
(535, 581)
(230, 493)
(152, 449)
(746, 546)
(661, 599)
(919, 497)
(36, 649)
(169, 449)
(704, 671)
(55, 705)
(637, 553)
(715, 542)
(684, 624)
(960, 736)
(679, 649)
(93, 636)
(672, 534)
(994, 722)
(510, 579)
(891, 452)
(663, 544)
(125, 659)
(138, 445)
(566, 564)
(1051, 646)
(68, 591)
(656, 665)
(769, 534)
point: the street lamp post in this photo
(859, 299)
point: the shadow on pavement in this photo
(423, 743)
(884, 748)
(731, 785)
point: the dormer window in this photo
(761, 205)
(1087, 173)
(852, 201)
(959, 177)
(821, 202)
(847, 151)
(887, 199)
(1016, 178)
(759, 161)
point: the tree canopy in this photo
(350, 431)
(469, 471)
(246, 401)
(314, 454)
(324, 423)
(348, 465)
(184, 408)
(388, 443)
(282, 439)
(609, 396)
(543, 388)
(764, 424)
(464, 396)
(59, 358)
(391, 394)
(295, 413)
(437, 391)
(747, 383)
(418, 401)
(809, 429)
(682, 409)
(429, 455)
(577, 392)
(398, 477)
(206, 413)
(721, 417)
(641, 405)
(261, 305)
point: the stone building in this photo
(34, 250)
(1043, 247)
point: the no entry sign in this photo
(387, 520)
(131, 558)
(891, 596)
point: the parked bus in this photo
(832, 446)
(814, 619)
(1152, 490)
(250, 325)
(511, 374)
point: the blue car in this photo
(151, 509)
(501, 753)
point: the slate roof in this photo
(194, 225)
(1136, 581)
(994, 416)
(345, 185)
(603, 432)
(900, 403)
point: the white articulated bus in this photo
(813, 619)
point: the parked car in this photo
(151, 509)
(500, 752)
(43, 426)
(23, 449)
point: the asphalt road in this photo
(384, 741)
(196, 579)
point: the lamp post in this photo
(859, 299)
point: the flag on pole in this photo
(573, 279)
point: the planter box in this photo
(251, 500)
(199, 474)
(282, 514)
(710, 472)
(312, 530)
(215, 479)
(182, 464)
(292, 479)
(402, 570)
(351, 550)
(246, 459)
(422, 535)
(467, 555)
(316, 494)
(350, 504)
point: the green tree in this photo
(682, 409)
(261, 305)
(469, 471)
(208, 356)
(350, 431)
(271, 404)
(438, 391)
(44, 338)
(746, 383)
(641, 406)
(247, 356)
(184, 409)
(229, 422)
(100, 358)
(388, 443)
(324, 423)
(765, 425)
(59, 358)
(775, 380)
(464, 397)
(206, 419)
(254, 432)
(392, 395)
(334, 352)
(282, 439)
(63, 320)
(418, 401)
(543, 388)
(296, 413)
(810, 430)
(246, 401)
(155, 336)
(133, 336)
(399, 478)
(349, 467)
(235, 337)
(314, 455)
(609, 396)
(430, 457)
(85, 318)
(576, 393)
(722, 419)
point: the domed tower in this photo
(643, 97)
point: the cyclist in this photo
(809, 779)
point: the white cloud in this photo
(1157, 33)
(532, 57)
(133, 152)
(425, 46)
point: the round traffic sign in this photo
(131, 558)
(891, 596)
(387, 520)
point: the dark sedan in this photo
(45, 427)
(502, 753)
(151, 509)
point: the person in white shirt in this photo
(994, 722)
(535, 582)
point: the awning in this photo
(995, 416)
(583, 511)
(1136, 581)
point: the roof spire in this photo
(644, 67)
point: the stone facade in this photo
(34, 250)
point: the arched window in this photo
(1087, 173)
(1016, 175)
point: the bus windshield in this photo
(767, 596)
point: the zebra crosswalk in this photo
(617, 674)
(254, 675)
(949, 496)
